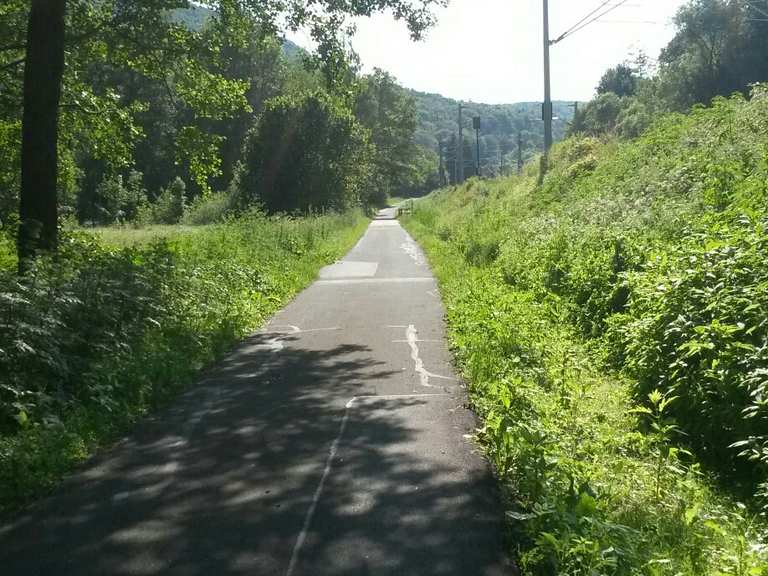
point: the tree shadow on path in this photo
(221, 482)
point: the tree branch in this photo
(81, 108)
(19, 46)
(150, 53)
(12, 64)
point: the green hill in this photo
(500, 126)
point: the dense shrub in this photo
(171, 204)
(209, 209)
(119, 200)
(306, 153)
(698, 330)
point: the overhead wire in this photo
(564, 34)
(583, 24)
(762, 11)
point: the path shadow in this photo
(221, 482)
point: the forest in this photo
(610, 315)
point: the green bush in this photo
(697, 329)
(305, 153)
(119, 200)
(209, 209)
(170, 206)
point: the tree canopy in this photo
(720, 47)
(165, 85)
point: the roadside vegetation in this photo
(121, 321)
(610, 319)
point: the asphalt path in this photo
(333, 442)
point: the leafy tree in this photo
(694, 63)
(170, 206)
(598, 116)
(142, 37)
(306, 152)
(720, 47)
(622, 80)
(389, 112)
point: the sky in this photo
(491, 50)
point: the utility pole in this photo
(441, 168)
(519, 152)
(460, 152)
(547, 107)
(476, 124)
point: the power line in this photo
(634, 22)
(762, 11)
(564, 34)
(578, 27)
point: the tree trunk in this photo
(43, 70)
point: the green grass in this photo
(610, 323)
(124, 319)
(125, 236)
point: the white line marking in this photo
(375, 280)
(412, 337)
(302, 537)
(273, 345)
(385, 223)
(297, 330)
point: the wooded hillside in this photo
(501, 125)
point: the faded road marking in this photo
(412, 337)
(275, 344)
(385, 224)
(349, 269)
(302, 537)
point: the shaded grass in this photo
(125, 236)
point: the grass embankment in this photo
(611, 323)
(125, 318)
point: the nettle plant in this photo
(698, 330)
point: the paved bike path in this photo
(333, 442)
